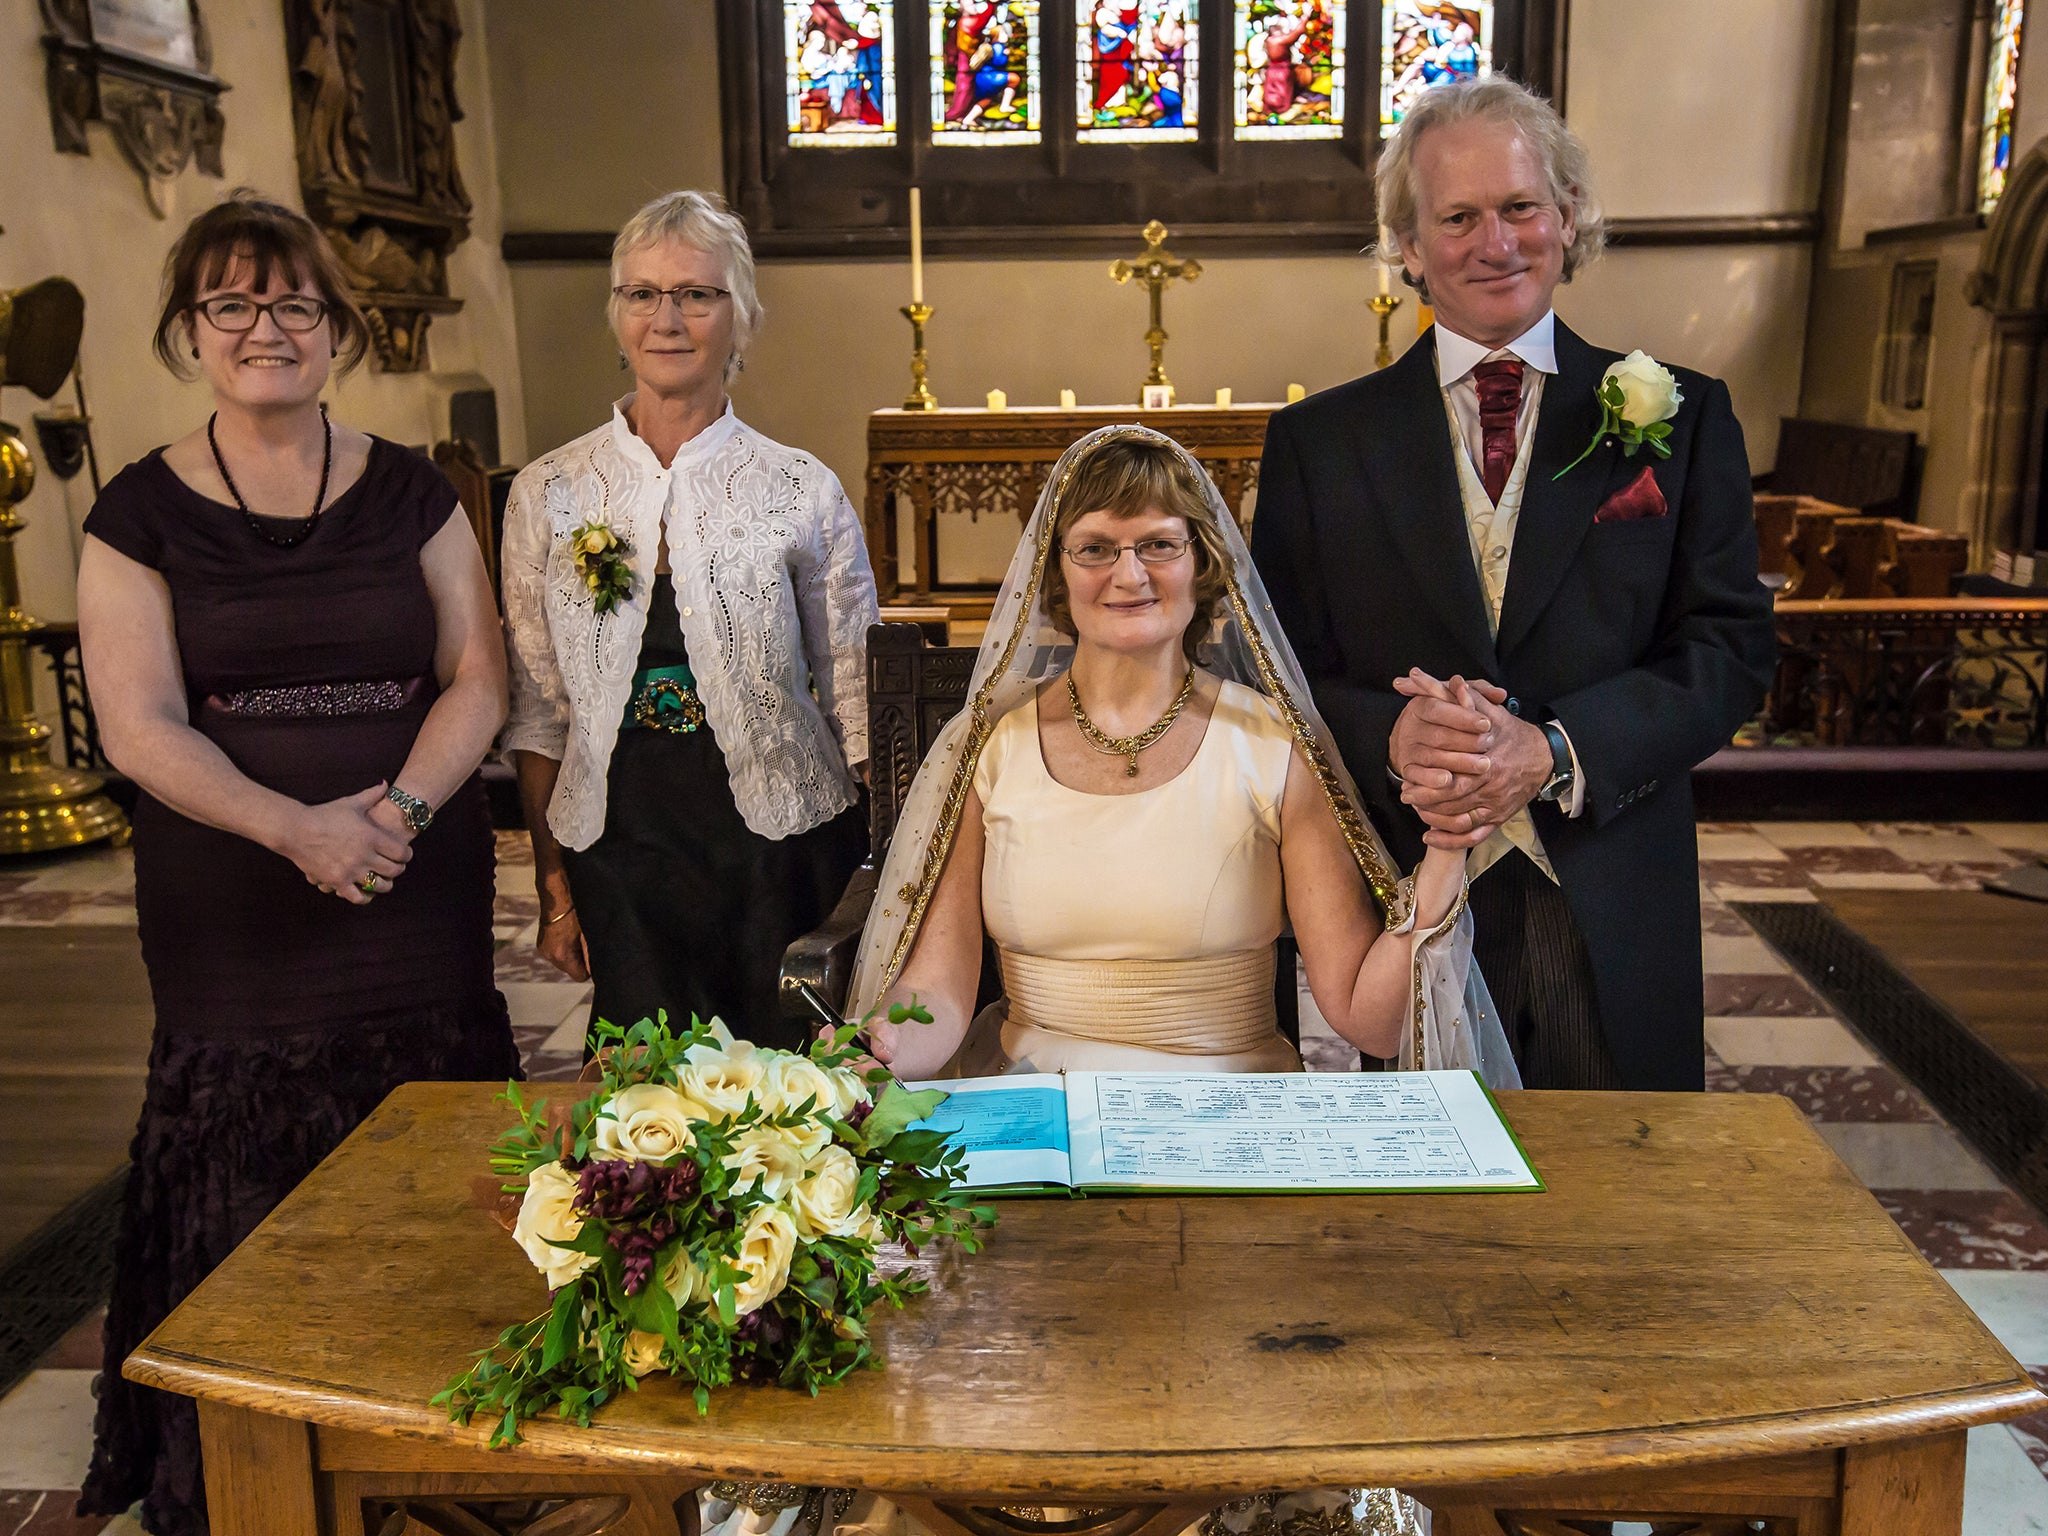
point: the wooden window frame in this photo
(1061, 195)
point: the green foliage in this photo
(573, 1358)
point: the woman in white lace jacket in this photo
(686, 612)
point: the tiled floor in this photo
(1767, 1032)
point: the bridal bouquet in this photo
(714, 1210)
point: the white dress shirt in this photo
(1490, 527)
(773, 592)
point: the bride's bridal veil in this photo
(1452, 1023)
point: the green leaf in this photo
(561, 1335)
(897, 1109)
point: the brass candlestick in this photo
(42, 806)
(1384, 305)
(1155, 267)
(920, 397)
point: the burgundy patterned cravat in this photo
(1500, 402)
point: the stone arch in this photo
(2010, 283)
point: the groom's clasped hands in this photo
(1466, 761)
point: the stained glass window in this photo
(1425, 43)
(1137, 65)
(1289, 75)
(985, 72)
(840, 62)
(2001, 85)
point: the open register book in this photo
(1275, 1133)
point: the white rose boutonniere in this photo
(1638, 398)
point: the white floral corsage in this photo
(1638, 398)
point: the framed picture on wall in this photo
(166, 31)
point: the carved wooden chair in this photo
(913, 690)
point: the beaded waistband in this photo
(305, 701)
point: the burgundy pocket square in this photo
(1639, 499)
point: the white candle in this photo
(1296, 392)
(916, 246)
(1385, 277)
(998, 401)
(1066, 399)
(1223, 396)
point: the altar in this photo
(1704, 1321)
(931, 466)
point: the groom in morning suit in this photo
(1417, 518)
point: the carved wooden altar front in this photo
(993, 463)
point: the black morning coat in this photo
(1651, 640)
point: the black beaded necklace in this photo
(262, 526)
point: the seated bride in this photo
(1137, 802)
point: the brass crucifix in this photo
(1155, 268)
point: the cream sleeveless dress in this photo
(1136, 931)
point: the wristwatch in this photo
(1559, 785)
(418, 815)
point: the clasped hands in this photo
(354, 847)
(1466, 762)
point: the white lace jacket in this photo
(774, 593)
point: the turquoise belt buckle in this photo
(665, 699)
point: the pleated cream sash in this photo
(1214, 1005)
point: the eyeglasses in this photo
(694, 302)
(236, 313)
(1097, 553)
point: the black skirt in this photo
(684, 907)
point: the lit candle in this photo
(998, 401)
(1386, 278)
(1296, 392)
(1066, 399)
(916, 246)
(1223, 396)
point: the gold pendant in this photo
(1131, 768)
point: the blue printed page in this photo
(1013, 1129)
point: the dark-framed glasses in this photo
(236, 312)
(1096, 553)
(642, 300)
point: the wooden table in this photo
(994, 463)
(1705, 1315)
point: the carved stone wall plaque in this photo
(374, 112)
(145, 69)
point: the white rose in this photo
(823, 1201)
(642, 1352)
(683, 1280)
(722, 1083)
(721, 1043)
(865, 1226)
(765, 1251)
(789, 1080)
(1648, 391)
(646, 1123)
(548, 1212)
(768, 1157)
(849, 1092)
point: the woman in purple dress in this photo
(293, 651)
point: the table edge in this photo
(1224, 1472)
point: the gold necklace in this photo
(1129, 746)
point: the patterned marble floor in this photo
(1767, 1032)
